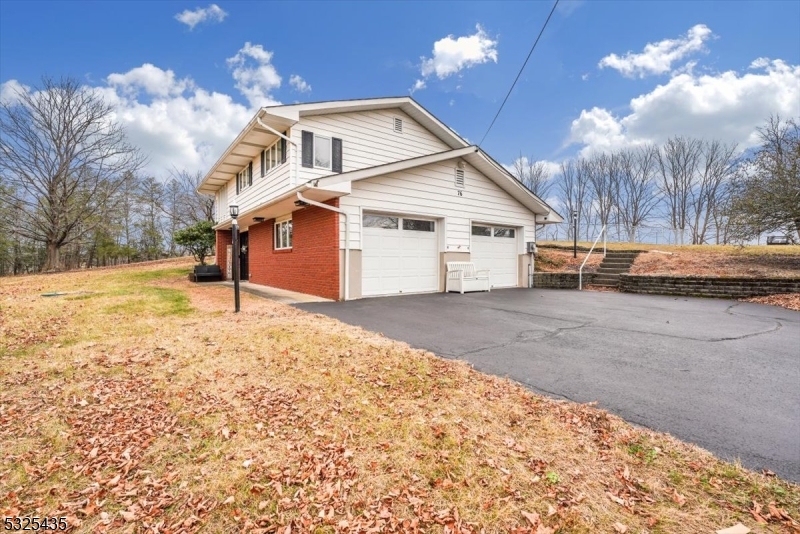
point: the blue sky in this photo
(186, 76)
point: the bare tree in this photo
(677, 164)
(533, 175)
(602, 171)
(715, 169)
(767, 190)
(636, 195)
(574, 191)
(64, 157)
(195, 207)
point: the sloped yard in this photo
(138, 402)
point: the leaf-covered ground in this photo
(138, 402)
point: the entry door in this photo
(244, 264)
(399, 255)
(495, 248)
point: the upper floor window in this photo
(273, 156)
(244, 178)
(322, 152)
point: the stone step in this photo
(612, 270)
(614, 263)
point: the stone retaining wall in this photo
(698, 286)
(560, 280)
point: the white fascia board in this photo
(207, 188)
(396, 166)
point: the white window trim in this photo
(279, 164)
(330, 151)
(276, 232)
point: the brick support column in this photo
(224, 238)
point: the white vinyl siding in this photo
(429, 192)
(368, 139)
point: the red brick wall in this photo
(311, 265)
(224, 238)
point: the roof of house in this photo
(246, 145)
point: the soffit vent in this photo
(398, 125)
(460, 178)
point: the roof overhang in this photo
(253, 138)
(286, 203)
(472, 155)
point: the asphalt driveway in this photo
(722, 374)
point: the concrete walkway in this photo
(273, 293)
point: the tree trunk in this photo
(52, 261)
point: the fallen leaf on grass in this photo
(677, 498)
(229, 500)
(619, 527)
(532, 517)
(128, 516)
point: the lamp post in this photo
(235, 250)
(575, 233)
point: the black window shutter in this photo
(283, 150)
(336, 166)
(250, 174)
(308, 149)
(237, 183)
(263, 162)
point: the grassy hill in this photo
(138, 402)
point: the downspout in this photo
(279, 134)
(346, 238)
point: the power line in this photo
(520, 72)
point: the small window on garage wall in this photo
(418, 225)
(481, 230)
(504, 232)
(380, 221)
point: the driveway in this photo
(721, 374)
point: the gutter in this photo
(346, 238)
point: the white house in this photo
(357, 198)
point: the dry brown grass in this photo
(145, 405)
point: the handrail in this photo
(580, 271)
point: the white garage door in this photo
(495, 248)
(399, 255)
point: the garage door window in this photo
(380, 221)
(504, 232)
(418, 225)
(481, 230)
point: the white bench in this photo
(462, 276)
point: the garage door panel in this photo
(399, 260)
(499, 256)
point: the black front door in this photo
(244, 271)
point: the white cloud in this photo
(153, 80)
(212, 13)
(179, 124)
(727, 106)
(419, 84)
(299, 84)
(255, 75)
(551, 167)
(657, 58)
(452, 55)
(11, 90)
